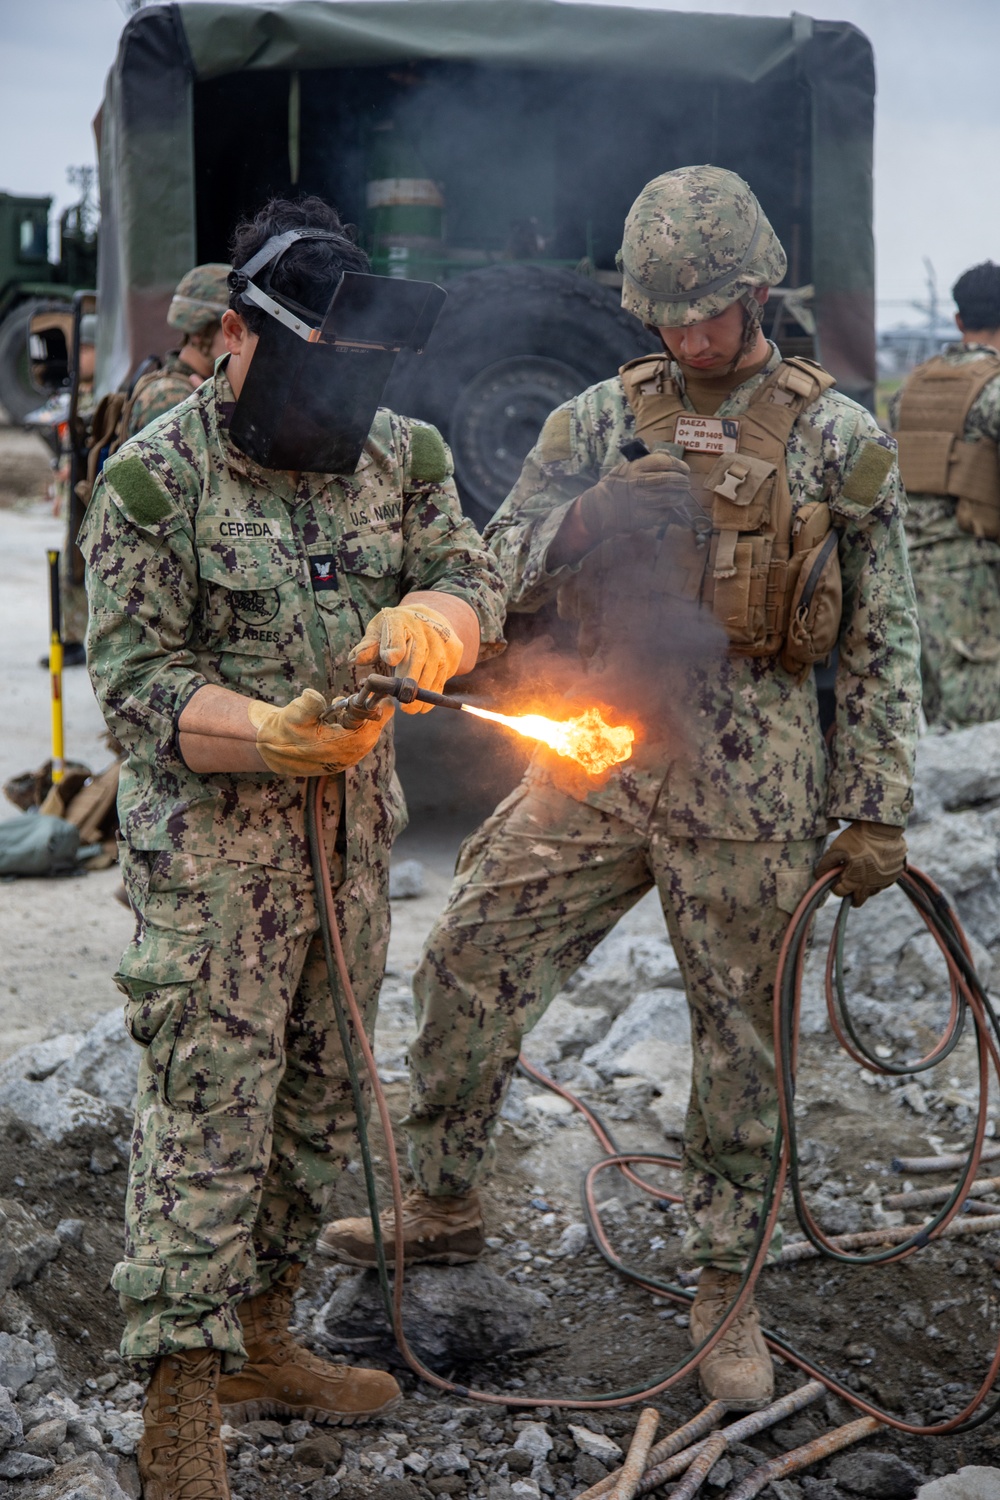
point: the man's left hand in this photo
(873, 856)
(415, 641)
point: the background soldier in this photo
(730, 824)
(196, 310)
(218, 590)
(947, 424)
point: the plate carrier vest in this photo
(934, 456)
(771, 578)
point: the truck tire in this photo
(511, 344)
(18, 395)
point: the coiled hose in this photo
(967, 997)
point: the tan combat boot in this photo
(738, 1369)
(283, 1379)
(180, 1452)
(449, 1231)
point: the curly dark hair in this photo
(308, 273)
(977, 296)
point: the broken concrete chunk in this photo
(407, 880)
(565, 1028)
(88, 1478)
(879, 1475)
(596, 1445)
(55, 1110)
(11, 1431)
(17, 1362)
(973, 1482)
(654, 1015)
(959, 851)
(70, 1232)
(25, 1245)
(23, 1465)
(961, 769)
(106, 1064)
(452, 1314)
(621, 967)
(573, 1241)
(46, 1437)
(40, 1059)
(534, 1440)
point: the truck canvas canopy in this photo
(462, 136)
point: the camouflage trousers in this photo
(959, 613)
(536, 888)
(244, 1116)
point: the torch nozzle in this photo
(362, 706)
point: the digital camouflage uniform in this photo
(205, 568)
(957, 581)
(160, 391)
(728, 831)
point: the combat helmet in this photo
(696, 240)
(201, 298)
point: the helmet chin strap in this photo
(753, 312)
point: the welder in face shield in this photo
(714, 484)
(230, 599)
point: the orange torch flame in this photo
(588, 740)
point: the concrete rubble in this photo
(619, 1033)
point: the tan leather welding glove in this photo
(873, 856)
(636, 495)
(414, 641)
(293, 742)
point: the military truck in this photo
(496, 149)
(30, 281)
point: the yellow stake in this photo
(55, 669)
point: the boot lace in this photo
(193, 1454)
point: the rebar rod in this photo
(712, 1450)
(635, 1460)
(925, 1197)
(951, 1162)
(710, 1416)
(748, 1426)
(801, 1458)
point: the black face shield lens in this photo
(312, 389)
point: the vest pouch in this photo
(924, 461)
(980, 518)
(810, 525)
(680, 564)
(740, 487)
(739, 591)
(975, 479)
(816, 607)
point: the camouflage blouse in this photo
(204, 567)
(757, 768)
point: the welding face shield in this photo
(314, 384)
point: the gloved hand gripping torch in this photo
(362, 706)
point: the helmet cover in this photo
(696, 240)
(201, 298)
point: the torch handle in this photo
(351, 713)
(55, 669)
(406, 690)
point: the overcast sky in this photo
(937, 141)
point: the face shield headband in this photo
(315, 381)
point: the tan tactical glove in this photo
(873, 856)
(293, 742)
(636, 495)
(416, 642)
